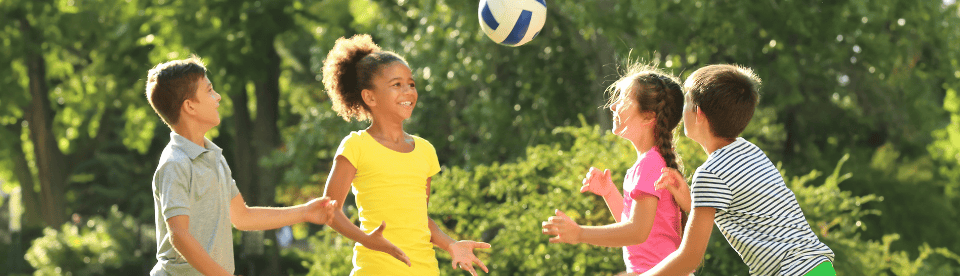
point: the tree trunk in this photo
(50, 160)
(267, 139)
(31, 203)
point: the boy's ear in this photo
(188, 106)
(368, 98)
(701, 118)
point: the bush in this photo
(504, 204)
(102, 246)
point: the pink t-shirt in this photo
(665, 234)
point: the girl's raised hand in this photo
(598, 183)
(462, 256)
(673, 181)
(376, 241)
(563, 227)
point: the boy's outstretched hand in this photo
(461, 253)
(598, 182)
(673, 181)
(563, 227)
(320, 210)
(376, 241)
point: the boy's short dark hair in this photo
(727, 95)
(170, 84)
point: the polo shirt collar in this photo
(192, 149)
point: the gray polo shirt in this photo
(193, 181)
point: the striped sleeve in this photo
(709, 190)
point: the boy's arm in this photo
(461, 252)
(318, 211)
(692, 248)
(190, 249)
(630, 232)
(673, 181)
(338, 184)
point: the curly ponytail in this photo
(349, 68)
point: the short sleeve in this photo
(646, 174)
(349, 148)
(234, 191)
(433, 160)
(709, 190)
(173, 189)
(232, 184)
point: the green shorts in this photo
(823, 269)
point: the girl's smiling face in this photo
(394, 92)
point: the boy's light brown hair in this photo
(171, 83)
(727, 95)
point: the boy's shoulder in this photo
(173, 160)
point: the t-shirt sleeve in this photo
(349, 148)
(709, 190)
(432, 159)
(647, 174)
(173, 188)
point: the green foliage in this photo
(503, 204)
(100, 246)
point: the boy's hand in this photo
(598, 183)
(673, 181)
(376, 241)
(320, 210)
(463, 258)
(563, 227)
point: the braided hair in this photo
(657, 92)
(662, 94)
(349, 69)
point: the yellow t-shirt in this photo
(392, 186)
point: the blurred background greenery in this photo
(859, 109)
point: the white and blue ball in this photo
(512, 22)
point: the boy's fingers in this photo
(555, 240)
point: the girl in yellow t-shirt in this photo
(390, 170)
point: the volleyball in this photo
(512, 22)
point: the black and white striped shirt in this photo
(756, 212)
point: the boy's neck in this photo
(192, 131)
(714, 143)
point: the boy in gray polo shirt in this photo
(193, 182)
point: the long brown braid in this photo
(662, 94)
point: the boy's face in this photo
(206, 101)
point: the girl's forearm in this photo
(345, 227)
(615, 204)
(438, 237)
(613, 235)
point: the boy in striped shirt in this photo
(738, 187)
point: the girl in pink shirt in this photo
(647, 105)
